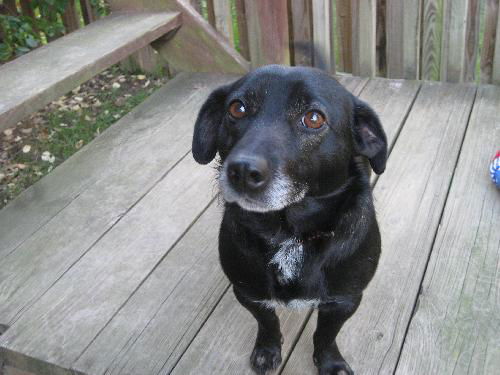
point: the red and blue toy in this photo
(495, 169)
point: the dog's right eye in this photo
(237, 109)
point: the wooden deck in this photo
(110, 265)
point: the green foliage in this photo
(20, 33)
(18, 36)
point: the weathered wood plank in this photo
(302, 48)
(460, 34)
(381, 39)
(268, 35)
(457, 318)
(31, 81)
(64, 321)
(241, 17)
(409, 198)
(363, 33)
(344, 30)
(490, 32)
(225, 341)
(431, 39)
(452, 48)
(69, 17)
(403, 38)
(93, 189)
(38, 204)
(471, 41)
(88, 13)
(496, 60)
(324, 51)
(392, 100)
(157, 324)
(223, 19)
(208, 51)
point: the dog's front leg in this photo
(331, 318)
(266, 355)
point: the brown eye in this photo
(237, 109)
(313, 120)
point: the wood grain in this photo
(207, 50)
(302, 44)
(61, 324)
(409, 198)
(457, 319)
(490, 32)
(268, 35)
(363, 33)
(223, 19)
(241, 17)
(344, 32)
(496, 60)
(155, 326)
(31, 81)
(72, 208)
(324, 51)
(431, 39)
(403, 38)
(459, 46)
(224, 344)
(471, 41)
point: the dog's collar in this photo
(316, 236)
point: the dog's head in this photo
(283, 133)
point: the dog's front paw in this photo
(265, 359)
(327, 364)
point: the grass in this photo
(63, 131)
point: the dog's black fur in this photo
(310, 199)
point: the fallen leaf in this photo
(47, 156)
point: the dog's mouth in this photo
(279, 193)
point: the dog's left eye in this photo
(313, 120)
(237, 109)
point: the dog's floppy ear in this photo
(207, 126)
(369, 136)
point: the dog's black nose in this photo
(248, 173)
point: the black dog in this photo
(299, 227)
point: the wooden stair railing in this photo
(33, 80)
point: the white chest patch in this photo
(288, 260)
(292, 304)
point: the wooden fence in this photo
(448, 40)
(73, 15)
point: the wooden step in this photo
(33, 80)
